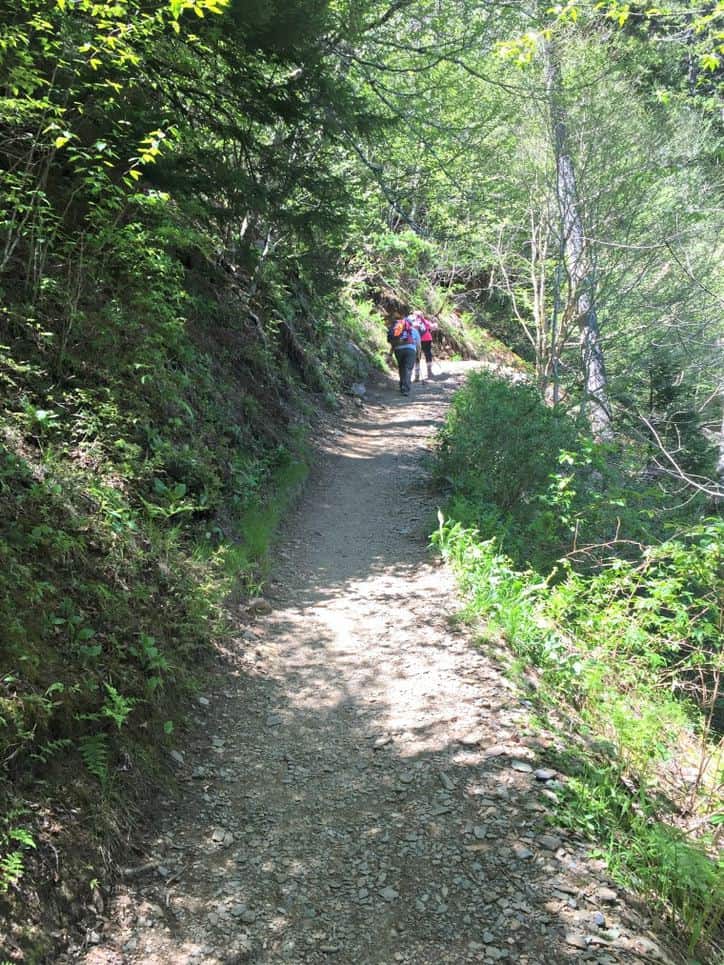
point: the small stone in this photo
(577, 940)
(598, 919)
(446, 782)
(358, 389)
(389, 893)
(495, 750)
(523, 766)
(550, 842)
(203, 701)
(177, 757)
(381, 742)
(259, 606)
(544, 774)
(521, 852)
(567, 887)
(472, 739)
(607, 895)
(479, 832)
(644, 946)
(218, 835)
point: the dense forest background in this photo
(209, 211)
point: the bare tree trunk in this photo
(578, 260)
(720, 462)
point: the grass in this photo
(245, 556)
(619, 793)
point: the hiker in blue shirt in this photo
(404, 340)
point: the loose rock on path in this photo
(366, 787)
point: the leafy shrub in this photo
(498, 450)
(524, 473)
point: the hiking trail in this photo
(361, 787)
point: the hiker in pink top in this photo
(425, 327)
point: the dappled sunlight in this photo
(366, 781)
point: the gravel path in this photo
(362, 788)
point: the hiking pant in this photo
(406, 358)
(427, 352)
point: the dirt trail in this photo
(362, 788)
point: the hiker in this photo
(404, 341)
(425, 327)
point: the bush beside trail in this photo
(613, 627)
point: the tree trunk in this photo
(578, 260)
(720, 462)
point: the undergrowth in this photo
(626, 635)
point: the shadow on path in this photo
(361, 787)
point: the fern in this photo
(11, 864)
(11, 870)
(21, 835)
(50, 749)
(117, 706)
(94, 751)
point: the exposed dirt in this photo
(362, 787)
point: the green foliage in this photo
(635, 651)
(625, 630)
(677, 874)
(13, 839)
(499, 452)
(521, 471)
(151, 406)
(95, 753)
